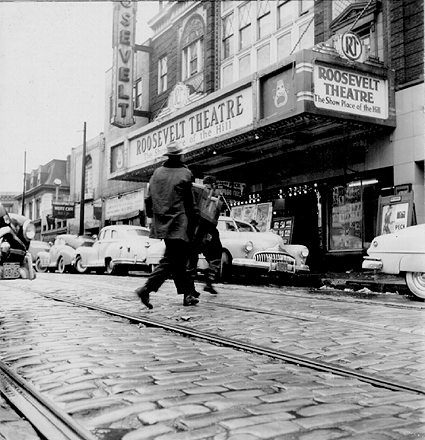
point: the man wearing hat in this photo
(170, 204)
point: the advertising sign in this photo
(124, 29)
(278, 92)
(350, 92)
(125, 205)
(258, 215)
(204, 124)
(395, 213)
(62, 211)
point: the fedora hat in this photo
(173, 149)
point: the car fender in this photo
(85, 254)
(413, 263)
(67, 256)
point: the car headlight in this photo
(28, 229)
(305, 252)
(375, 243)
(249, 246)
(4, 247)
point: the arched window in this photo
(193, 48)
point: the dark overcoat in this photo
(170, 202)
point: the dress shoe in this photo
(195, 293)
(143, 294)
(190, 301)
(209, 288)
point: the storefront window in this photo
(346, 218)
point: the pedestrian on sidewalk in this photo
(206, 241)
(171, 205)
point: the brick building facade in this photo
(271, 99)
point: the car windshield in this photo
(234, 225)
(75, 242)
(140, 232)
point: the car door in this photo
(54, 251)
(110, 237)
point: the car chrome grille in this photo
(273, 257)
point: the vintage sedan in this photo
(35, 248)
(402, 252)
(61, 254)
(245, 249)
(118, 249)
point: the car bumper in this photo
(372, 263)
(282, 266)
(129, 262)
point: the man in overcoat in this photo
(171, 205)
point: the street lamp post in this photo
(83, 183)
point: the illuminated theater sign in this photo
(124, 29)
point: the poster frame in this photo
(391, 202)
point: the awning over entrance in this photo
(307, 101)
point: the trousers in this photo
(173, 264)
(206, 241)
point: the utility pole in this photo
(83, 183)
(23, 190)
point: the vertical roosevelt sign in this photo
(124, 28)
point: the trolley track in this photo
(281, 355)
(316, 294)
(48, 420)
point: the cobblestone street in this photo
(135, 382)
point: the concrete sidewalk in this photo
(356, 281)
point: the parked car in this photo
(16, 233)
(117, 250)
(401, 252)
(35, 248)
(244, 248)
(61, 253)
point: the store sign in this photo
(205, 124)
(127, 204)
(232, 190)
(124, 28)
(350, 92)
(63, 211)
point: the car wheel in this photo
(38, 266)
(416, 283)
(79, 266)
(61, 265)
(225, 266)
(110, 267)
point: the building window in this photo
(346, 222)
(305, 5)
(264, 19)
(263, 56)
(227, 75)
(245, 25)
(137, 94)
(245, 66)
(339, 6)
(193, 56)
(228, 37)
(88, 174)
(226, 4)
(284, 13)
(284, 46)
(37, 208)
(192, 42)
(162, 74)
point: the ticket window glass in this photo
(352, 216)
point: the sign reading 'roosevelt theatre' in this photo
(350, 92)
(205, 124)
